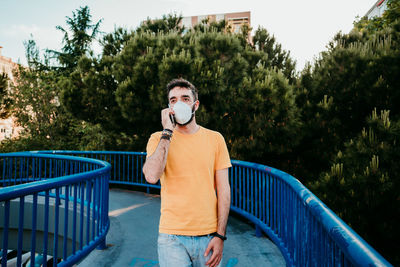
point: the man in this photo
(192, 164)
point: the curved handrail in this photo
(306, 231)
(126, 167)
(60, 191)
(15, 191)
(294, 232)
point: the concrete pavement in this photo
(132, 238)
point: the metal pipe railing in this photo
(126, 167)
(52, 205)
(306, 231)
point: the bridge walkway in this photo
(132, 238)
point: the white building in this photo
(377, 10)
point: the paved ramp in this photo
(132, 238)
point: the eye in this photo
(172, 101)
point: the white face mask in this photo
(183, 112)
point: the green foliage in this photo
(277, 57)
(336, 94)
(363, 186)
(168, 23)
(353, 167)
(239, 87)
(78, 44)
(114, 42)
(36, 98)
(212, 26)
(3, 84)
(96, 104)
(5, 100)
(389, 18)
(37, 109)
(269, 115)
(33, 57)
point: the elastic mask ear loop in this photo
(193, 107)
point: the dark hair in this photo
(182, 83)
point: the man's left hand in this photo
(217, 247)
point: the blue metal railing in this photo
(52, 206)
(126, 167)
(306, 231)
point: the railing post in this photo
(102, 244)
(258, 231)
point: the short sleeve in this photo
(222, 159)
(152, 143)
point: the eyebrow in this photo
(174, 97)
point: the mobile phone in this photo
(172, 118)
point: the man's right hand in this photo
(166, 120)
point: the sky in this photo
(302, 27)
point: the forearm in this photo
(216, 245)
(224, 202)
(155, 164)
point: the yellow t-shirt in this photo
(188, 197)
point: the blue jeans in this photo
(183, 251)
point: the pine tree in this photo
(231, 74)
(83, 33)
(277, 57)
(167, 23)
(362, 186)
(357, 73)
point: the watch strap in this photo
(219, 236)
(166, 137)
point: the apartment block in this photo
(8, 128)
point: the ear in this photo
(196, 105)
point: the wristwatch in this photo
(219, 236)
(166, 134)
